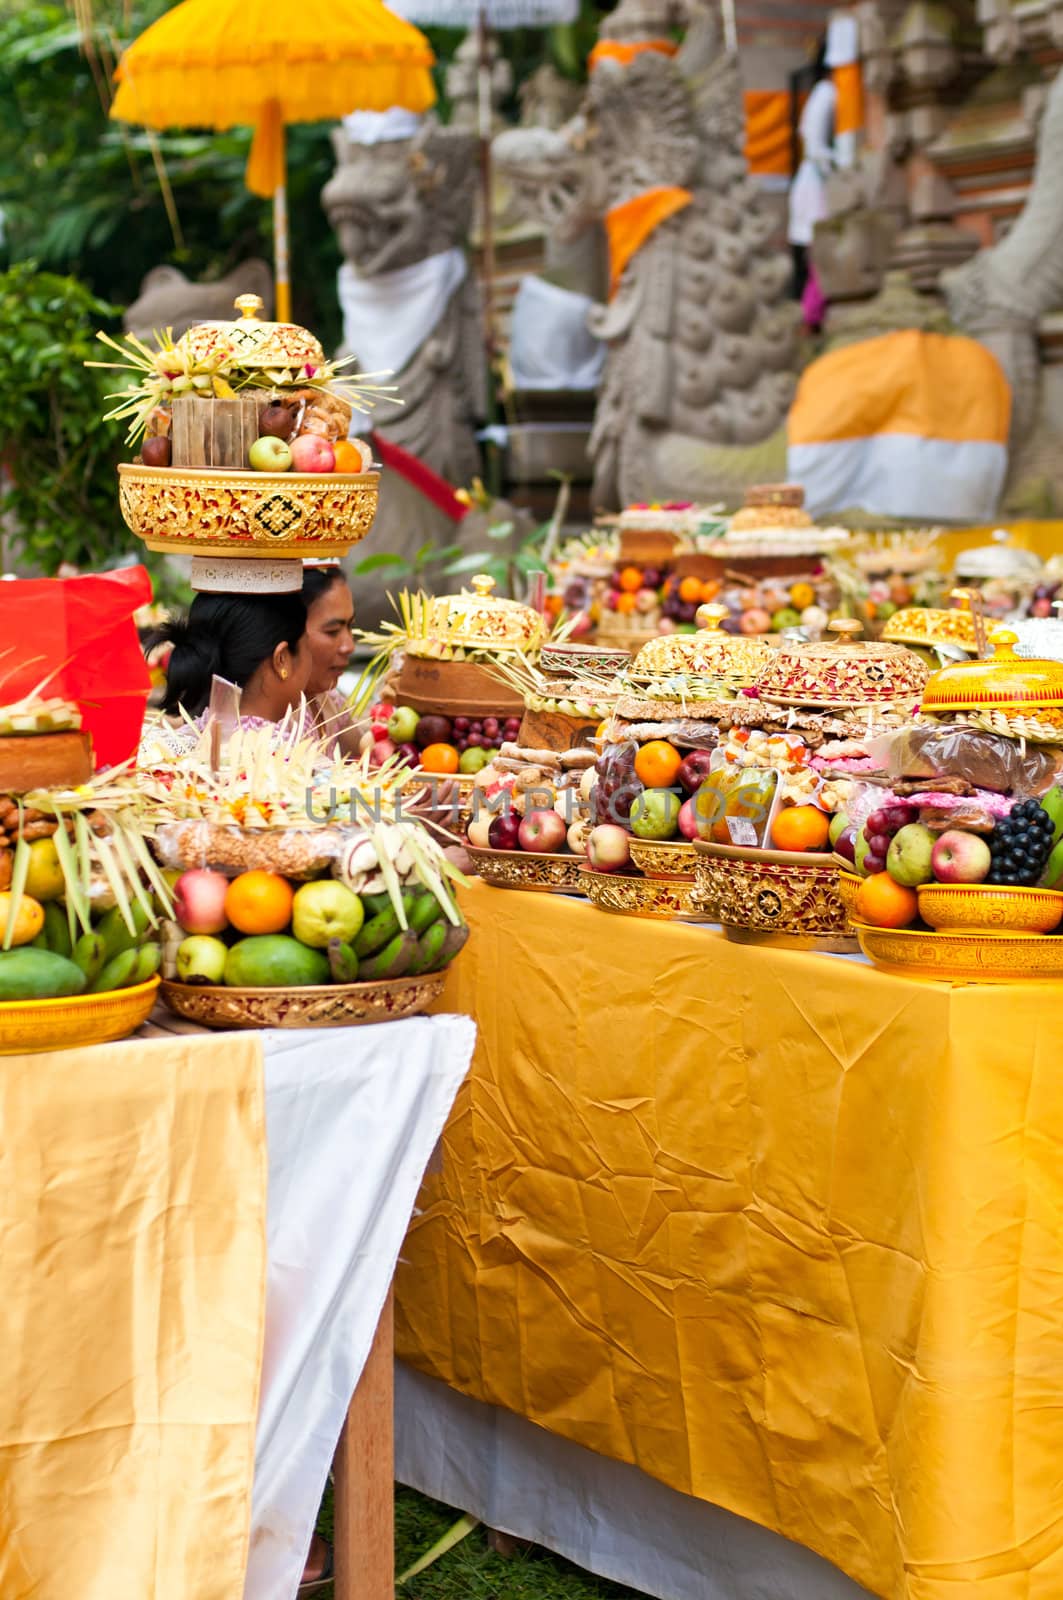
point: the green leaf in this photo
(383, 558)
(500, 530)
(473, 563)
(453, 1536)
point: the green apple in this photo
(655, 814)
(908, 857)
(474, 759)
(44, 880)
(326, 910)
(201, 959)
(860, 850)
(838, 824)
(402, 724)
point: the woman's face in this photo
(328, 634)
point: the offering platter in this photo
(774, 897)
(29, 1027)
(668, 899)
(968, 957)
(341, 1005)
(537, 872)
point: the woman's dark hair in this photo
(318, 581)
(225, 636)
(802, 82)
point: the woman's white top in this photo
(808, 193)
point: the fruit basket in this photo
(985, 908)
(666, 899)
(247, 515)
(963, 957)
(339, 1005)
(777, 897)
(843, 674)
(33, 1026)
(540, 872)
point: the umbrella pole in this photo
(483, 86)
(283, 286)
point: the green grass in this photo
(471, 1571)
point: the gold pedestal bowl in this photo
(28, 1027)
(779, 897)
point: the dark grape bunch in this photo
(879, 829)
(487, 733)
(1020, 845)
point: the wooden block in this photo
(365, 1477)
(216, 433)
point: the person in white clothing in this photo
(808, 192)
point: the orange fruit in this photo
(884, 903)
(657, 764)
(690, 590)
(625, 604)
(800, 828)
(348, 456)
(709, 590)
(439, 758)
(802, 595)
(259, 902)
(630, 580)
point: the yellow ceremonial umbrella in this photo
(227, 63)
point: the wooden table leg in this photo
(365, 1477)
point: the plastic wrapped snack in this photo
(965, 759)
(293, 852)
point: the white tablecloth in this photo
(352, 1118)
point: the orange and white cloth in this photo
(908, 425)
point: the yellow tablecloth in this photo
(132, 1271)
(784, 1232)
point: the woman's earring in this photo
(284, 672)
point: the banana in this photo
(342, 961)
(55, 935)
(1052, 802)
(426, 912)
(376, 933)
(429, 949)
(117, 974)
(90, 954)
(391, 962)
(149, 960)
(375, 903)
(453, 942)
(114, 933)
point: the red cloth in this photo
(84, 628)
(421, 476)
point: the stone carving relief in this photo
(168, 299)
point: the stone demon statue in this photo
(701, 339)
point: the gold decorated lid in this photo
(249, 342)
(846, 671)
(1007, 681)
(478, 620)
(737, 657)
(925, 625)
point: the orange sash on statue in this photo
(630, 224)
(619, 50)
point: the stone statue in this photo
(463, 88)
(170, 300)
(401, 208)
(701, 339)
(1002, 293)
(547, 100)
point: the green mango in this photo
(30, 974)
(274, 961)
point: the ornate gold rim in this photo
(546, 873)
(664, 858)
(773, 858)
(663, 899)
(989, 908)
(203, 511)
(330, 1005)
(773, 893)
(967, 957)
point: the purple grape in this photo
(490, 727)
(878, 822)
(461, 724)
(651, 578)
(878, 844)
(874, 863)
(474, 741)
(462, 743)
(900, 817)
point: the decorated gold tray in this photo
(1009, 694)
(663, 858)
(848, 889)
(780, 897)
(666, 899)
(990, 908)
(30, 1026)
(207, 511)
(965, 957)
(528, 869)
(845, 673)
(329, 1005)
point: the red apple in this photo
(845, 844)
(688, 819)
(694, 770)
(542, 832)
(157, 452)
(382, 751)
(960, 858)
(504, 832)
(199, 901)
(608, 847)
(312, 453)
